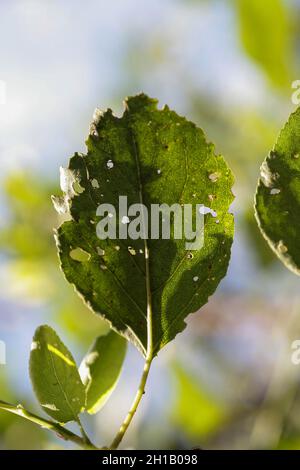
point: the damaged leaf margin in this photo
(167, 159)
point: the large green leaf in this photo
(150, 156)
(278, 195)
(101, 368)
(55, 377)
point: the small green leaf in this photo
(101, 368)
(54, 376)
(149, 156)
(277, 203)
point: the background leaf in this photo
(101, 368)
(265, 36)
(278, 195)
(55, 377)
(166, 159)
(197, 411)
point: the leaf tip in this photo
(140, 102)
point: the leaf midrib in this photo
(146, 252)
(60, 385)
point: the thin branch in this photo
(47, 424)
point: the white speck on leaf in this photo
(110, 164)
(61, 204)
(67, 178)
(34, 345)
(214, 177)
(281, 247)
(93, 130)
(275, 191)
(97, 115)
(50, 406)
(70, 182)
(100, 251)
(95, 183)
(195, 278)
(91, 358)
(266, 175)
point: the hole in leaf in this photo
(78, 254)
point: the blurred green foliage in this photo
(196, 411)
(32, 262)
(265, 32)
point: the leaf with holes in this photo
(150, 157)
(55, 377)
(277, 203)
(101, 368)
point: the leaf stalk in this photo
(149, 357)
(47, 424)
